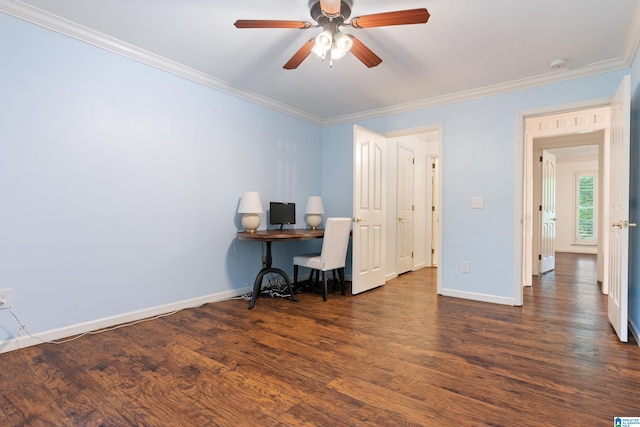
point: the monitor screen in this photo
(281, 213)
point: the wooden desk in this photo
(269, 236)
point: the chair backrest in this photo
(335, 243)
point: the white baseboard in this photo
(477, 297)
(94, 325)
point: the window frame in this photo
(576, 212)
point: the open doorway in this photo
(413, 202)
(567, 191)
(589, 126)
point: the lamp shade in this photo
(314, 205)
(250, 203)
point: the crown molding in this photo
(68, 28)
(44, 19)
(506, 87)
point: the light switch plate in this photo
(477, 202)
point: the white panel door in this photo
(548, 213)
(369, 198)
(404, 223)
(619, 209)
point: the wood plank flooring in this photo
(398, 355)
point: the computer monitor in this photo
(281, 213)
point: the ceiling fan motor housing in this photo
(318, 16)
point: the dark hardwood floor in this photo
(398, 355)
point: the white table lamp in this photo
(250, 206)
(314, 211)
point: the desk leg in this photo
(268, 269)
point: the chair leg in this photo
(324, 281)
(341, 276)
(295, 275)
(315, 282)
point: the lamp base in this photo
(251, 222)
(314, 221)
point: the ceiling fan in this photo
(330, 15)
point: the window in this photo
(586, 208)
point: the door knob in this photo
(623, 224)
(358, 220)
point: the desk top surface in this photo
(268, 235)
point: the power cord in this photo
(23, 327)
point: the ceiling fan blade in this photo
(266, 23)
(299, 56)
(400, 17)
(364, 54)
(330, 8)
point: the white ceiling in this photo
(582, 152)
(468, 48)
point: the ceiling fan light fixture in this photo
(341, 45)
(323, 43)
(331, 15)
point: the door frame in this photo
(437, 128)
(523, 200)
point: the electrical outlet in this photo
(466, 266)
(477, 202)
(5, 298)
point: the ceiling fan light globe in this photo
(343, 42)
(321, 53)
(323, 41)
(337, 53)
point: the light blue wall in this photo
(119, 183)
(479, 159)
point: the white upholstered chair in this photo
(333, 255)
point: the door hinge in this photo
(433, 165)
(540, 208)
(433, 251)
(433, 208)
(540, 159)
(540, 257)
(413, 160)
(411, 254)
(413, 207)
